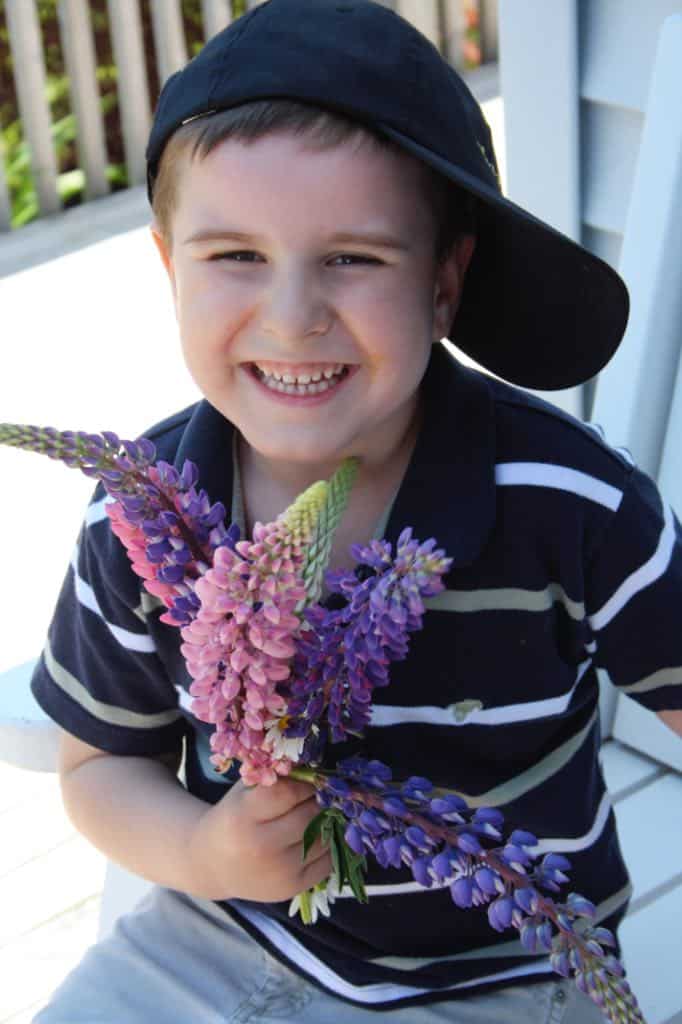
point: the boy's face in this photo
(311, 337)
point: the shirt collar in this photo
(448, 491)
(207, 442)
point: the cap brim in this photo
(568, 308)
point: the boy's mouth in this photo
(301, 380)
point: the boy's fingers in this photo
(270, 802)
(287, 829)
(316, 851)
(316, 872)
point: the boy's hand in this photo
(250, 844)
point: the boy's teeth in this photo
(302, 384)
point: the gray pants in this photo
(179, 960)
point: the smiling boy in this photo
(327, 209)
(309, 295)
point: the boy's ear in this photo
(449, 283)
(163, 248)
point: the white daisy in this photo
(313, 902)
(282, 746)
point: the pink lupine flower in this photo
(240, 646)
(135, 543)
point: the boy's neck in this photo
(270, 485)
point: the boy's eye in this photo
(353, 258)
(239, 256)
(348, 259)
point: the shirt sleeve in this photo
(100, 676)
(634, 598)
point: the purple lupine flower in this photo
(345, 653)
(170, 530)
(443, 842)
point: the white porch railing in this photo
(443, 21)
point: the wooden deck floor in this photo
(51, 882)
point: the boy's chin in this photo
(307, 453)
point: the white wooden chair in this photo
(597, 152)
(29, 740)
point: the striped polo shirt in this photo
(566, 563)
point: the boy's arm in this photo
(247, 846)
(633, 588)
(673, 719)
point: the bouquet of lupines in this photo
(280, 677)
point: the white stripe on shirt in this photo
(284, 941)
(513, 947)
(388, 714)
(500, 599)
(647, 573)
(112, 714)
(391, 714)
(96, 512)
(562, 478)
(141, 642)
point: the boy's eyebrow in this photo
(375, 238)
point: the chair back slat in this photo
(635, 392)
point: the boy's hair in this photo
(453, 208)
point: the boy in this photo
(327, 208)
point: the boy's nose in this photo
(294, 310)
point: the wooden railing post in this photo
(126, 38)
(5, 206)
(169, 37)
(29, 70)
(453, 32)
(424, 15)
(216, 15)
(489, 31)
(79, 56)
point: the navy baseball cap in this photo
(537, 309)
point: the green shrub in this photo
(14, 149)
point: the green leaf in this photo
(355, 865)
(312, 831)
(356, 878)
(70, 184)
(117, 174)
(327, 829)
(344, 855)
(26, 211)
(337, 861)
(352, 865)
